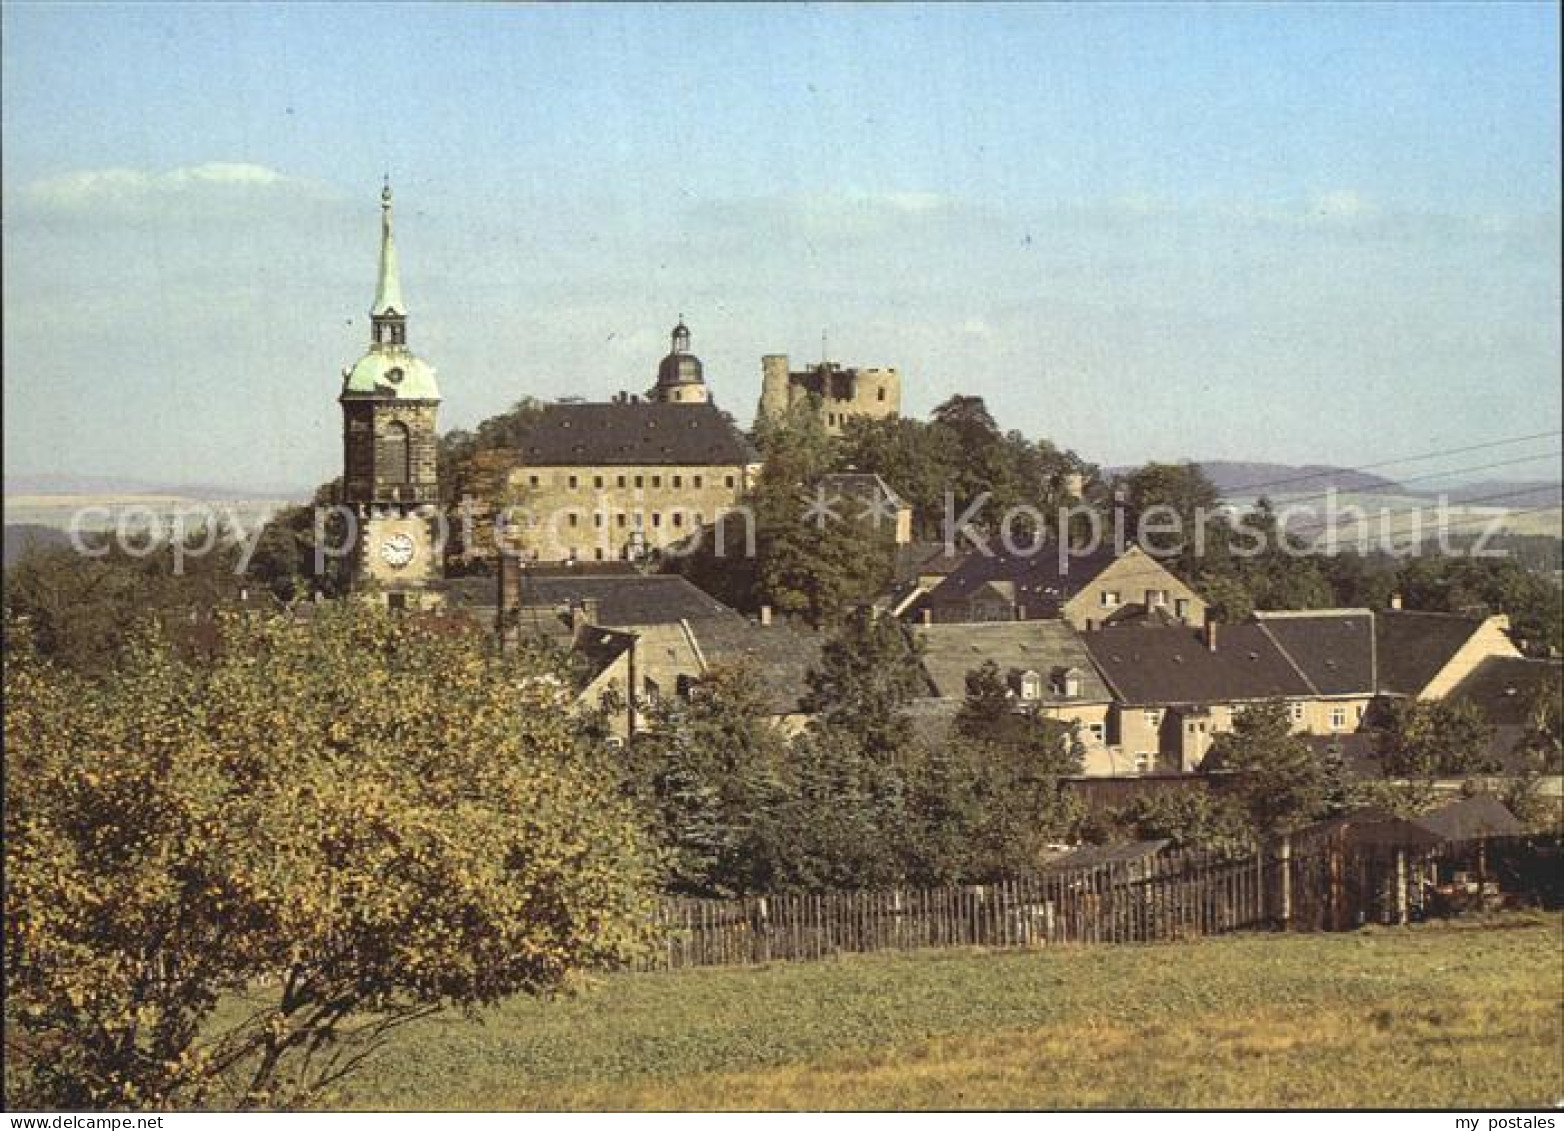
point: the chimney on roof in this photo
(1395, 600)
(1210, 632)
(765, 615)
(926, 615)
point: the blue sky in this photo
(1301, 233)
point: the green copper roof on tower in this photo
(389, 368)
(388, 293)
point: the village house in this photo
(1086, 590)
(1175, 688)
(644, 637)
(1046, 667)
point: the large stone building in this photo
(841, 393)
(390, 402)
(613, 481)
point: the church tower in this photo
(389, 406)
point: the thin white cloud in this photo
(94, 188)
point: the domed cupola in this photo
(680, 379)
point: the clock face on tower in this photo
(397, 550)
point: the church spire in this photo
(389, 313)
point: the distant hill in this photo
(114, 485)
(1234, 477)
(1242, 478)
(1503, 493)
(19, 536)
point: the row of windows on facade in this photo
(622, 519)
(1295, 711)
(622, 482)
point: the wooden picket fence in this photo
(1174, 895)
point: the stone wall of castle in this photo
(841, 393)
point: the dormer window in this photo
(1067, 683)
(1027, 685)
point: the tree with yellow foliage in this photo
(228, 880)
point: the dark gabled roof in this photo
(1359, 750)
(1365, 828)
(1172, 665)
(625, 602)
(632, 433)
(601, 646)
(1504, 688)
(1041, 586)
(1334, 649)
(950, 651)
(1471, 817)
(780, 654)
(1414, 646)
(917, 558)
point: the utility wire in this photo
(1250, 488)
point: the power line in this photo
(1303, 478)
(1464, 503)
(1292, 501)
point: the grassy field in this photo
(1441, 1015)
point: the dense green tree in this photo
(992, 714)
(919, 461)
(943, 813)
(1277, 777)
(1544, 736)
(1359, 581)
(1533, 602)
(819, 557)
(1190, 818)
(867, 672)
(81, 608)
(1176, 497)
(845, 812)
(1434, 738)
(712, 763)
(296, 554)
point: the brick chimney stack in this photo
(1210, 633)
